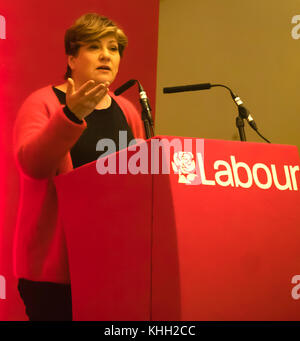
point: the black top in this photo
(101, 124)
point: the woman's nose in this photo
(104, 54)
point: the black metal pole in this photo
(147, 129)
(240, 125)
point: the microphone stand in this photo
(147, 124)
(148, 131)
(239, 122)
(146, 113)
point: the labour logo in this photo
(184, 166)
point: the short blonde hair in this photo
(90, 27)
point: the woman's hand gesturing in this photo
(83, 101)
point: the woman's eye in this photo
(111, 48)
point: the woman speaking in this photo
(56, 130)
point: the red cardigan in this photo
(43, 136)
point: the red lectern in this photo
(185, 229)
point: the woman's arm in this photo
(43, 138)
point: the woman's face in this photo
(98, 61)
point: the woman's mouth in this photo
(103, 68)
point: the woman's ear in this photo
(71, 62)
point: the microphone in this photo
(146, 109)
(243, 111)
(193, 87)
(145, 102)
(124, 87)
(143, 96)
(205, 86)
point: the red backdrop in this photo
(32, 56)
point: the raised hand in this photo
(84, 100)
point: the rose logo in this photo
(184, 165)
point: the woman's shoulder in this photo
(42, 93)
(41, 96)
(42, 99)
